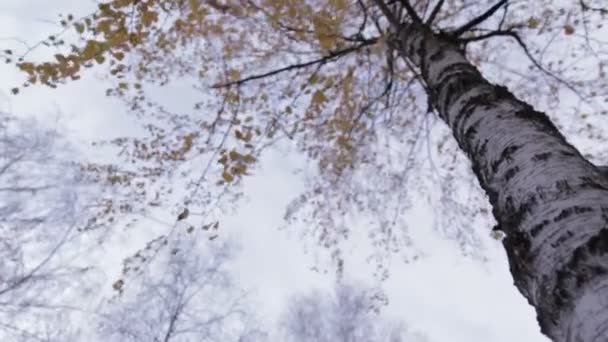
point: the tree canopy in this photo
(327, 76)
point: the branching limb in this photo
(504, 16)
(384, 94)
(487, 36)
(333, 55)
(586, 7)
(411, 11)
(388, 14)
(520, 42)
(365, 16)
(434, 13)
(480, 19)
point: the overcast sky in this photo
(444, 295)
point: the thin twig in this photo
(520, 42)
(411, 11)
(330, 57)
(388, 14)
(466, 27)
(434, 13)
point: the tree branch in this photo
(479, 19)
(411, 11)
(434, 13)
(388, 14)
(520, 42)
(586, 7)
(328, 58)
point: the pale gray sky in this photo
(444, 295)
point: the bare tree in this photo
(346, 315)
(185, 294)
(40, 212)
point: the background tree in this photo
(43, 199)
(185, 294)
(347, 82)
(346, 315)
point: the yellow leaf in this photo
(79, 27)
(249, 159)
(339, 4)
(318, 98)
(533, 23)
(118, 55)
(325, 30)
(149, 17)
(326, 42)
(27, 67)
(234, 74)
(91, 49)
(234, 155)
(227, 177)
(118, 285)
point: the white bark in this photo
(550, 201)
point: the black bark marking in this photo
(511, 173)
(486, 100)
(503, 92)
(505, 156)
(454, 69)
(517, 245)
(437, 55)
(565, 236)
(510, 217)
(563, 186)
(530, 203)
(469, 135)
(604, 211)
(423, 66)
(598, 245)
(581, 268)
(540, 120)
(568, 153)
(541, 156)
(467, 109)
(457, 85)
(567, 212)
(538, 228)
(542, 194)
(590, 183)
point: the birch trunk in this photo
(550, 201)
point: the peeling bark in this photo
(549, 200)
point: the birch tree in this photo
(186, 294)
(353, 83)
(43, 205)
(345, 315)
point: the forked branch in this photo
(480, 19)
(331, 56)
(411, 11)
(434, 12)
(520, 42)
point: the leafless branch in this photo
(387, 13)
(333, 55)
(522, 44)
(586, 7)
(434, 13)
(411, 11)
(478, 20)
